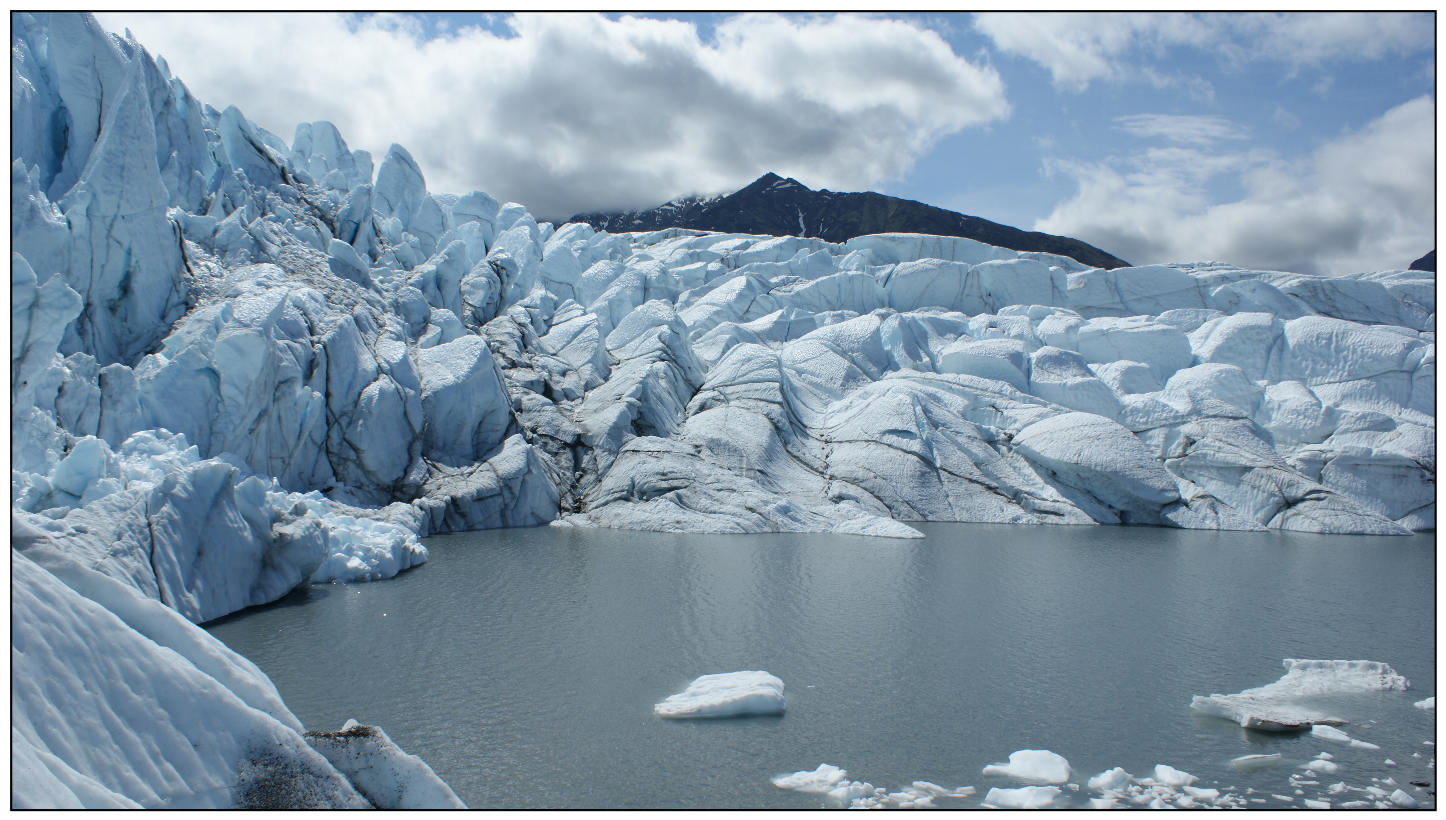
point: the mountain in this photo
(776, 206)
(1427, 262)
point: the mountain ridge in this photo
(781, 206)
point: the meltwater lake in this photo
(523, 664)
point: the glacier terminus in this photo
(241, 364)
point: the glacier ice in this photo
(388, 777)
(726, 694)
(1284, 705)
(239, 365)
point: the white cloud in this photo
(1186, 129)
(577, 112)
(1079, 48)
(1364, 201)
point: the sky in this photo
(1302, 142)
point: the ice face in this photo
(725, 694)
(1277, 706)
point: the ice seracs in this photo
(726, 694)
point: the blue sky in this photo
(1298, 142)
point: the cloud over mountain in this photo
(579, 112)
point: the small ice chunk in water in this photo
(851, 791)
(1029, 797)
(1390, 762)
(1361, 744)
(927, 787)
(1323, 766)
(1317, 804)
(1429, 704)
(1337, 788)
(1038, 765)
(1103, 802)
(819, 781)
(1173, 777)
(1330, 733)
(1256, 763)
(1325, 756)
(1202, 794)
(1404, 800)
(729, 693)
(1113, 779)
(1355, 804)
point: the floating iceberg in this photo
(1107, 781)
(1035, 765)
(1429, 704)
(819, 781)
(725, 694)
(1256, 763)
(1028, 797)
(1282, 706)
(1173, 777)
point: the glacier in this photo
(240, 364)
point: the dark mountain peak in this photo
(762, 184)
(1427, 262)
(781, 206)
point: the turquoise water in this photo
(522, 665)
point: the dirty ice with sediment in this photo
(240, 364)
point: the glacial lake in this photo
(523, 664)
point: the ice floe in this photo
(1281, 706)
(725, 694)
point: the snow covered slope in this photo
(239, 364)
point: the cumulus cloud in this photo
(577, 112)
(1363, 201)
(1079, 48)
